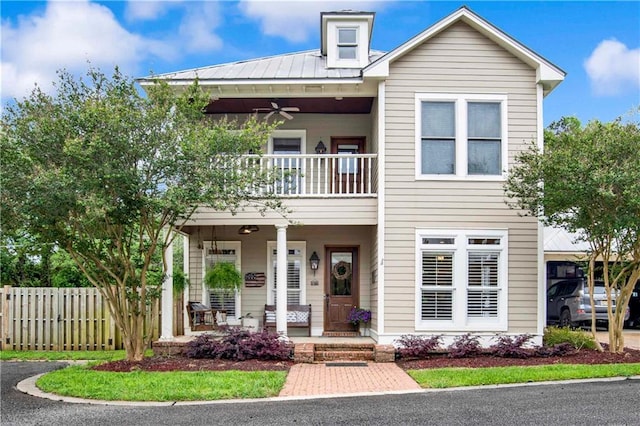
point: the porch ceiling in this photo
(326, 105)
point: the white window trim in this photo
(223, 245)
(300, 245)
(362, 51)
(460, 250)
(461, 101)
(301, 133)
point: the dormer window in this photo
(347, 43)
(345, 38)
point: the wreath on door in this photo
(341, 270)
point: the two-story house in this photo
(398, 161)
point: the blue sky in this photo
(596, 43)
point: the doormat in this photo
(340, 334)
(346, 364)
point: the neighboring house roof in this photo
(559, 240)
(547, 73)
(301, 65)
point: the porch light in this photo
(314, 262)
(321, 148)
(247, 229)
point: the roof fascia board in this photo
(546, 70)
(249, 82)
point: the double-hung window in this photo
(461, 280)
(347, 43)
(460, 136)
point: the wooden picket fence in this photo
(57, 319)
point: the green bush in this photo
(579, 339)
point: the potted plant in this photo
(359, 315)
(223, 277)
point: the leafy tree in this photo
(102, 171)
(588, 181)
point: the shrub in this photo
(239, 345)
(465, 346)
(579, 339)
(412, 346)
(511, 347)
(561, 349)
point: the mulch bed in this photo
(584, 356)
(181, 363)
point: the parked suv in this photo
(568, 303)
(634, 307)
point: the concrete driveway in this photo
(631, 338)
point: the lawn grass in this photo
(79, 381)
(455, 377)
(64, 355)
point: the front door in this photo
(342, 287)
(348, 172)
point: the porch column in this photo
(167, 293)
(186, 240)
(281, 282)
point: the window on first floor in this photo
(460, 135)
(295, 273)
(462, 279)
(228, 300)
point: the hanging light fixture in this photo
(247, 229)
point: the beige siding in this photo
(458, 60)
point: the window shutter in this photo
(437, 271)
(482, 295)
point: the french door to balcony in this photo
(348, 172)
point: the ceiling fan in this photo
(275, 108)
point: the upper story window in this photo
(286, 145)
(461, 136)
(347, 43)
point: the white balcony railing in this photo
(321, 175)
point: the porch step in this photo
(343, 352)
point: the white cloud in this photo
(148, 10)
(296, 21)
(68, 35)
(198, 25)
(613, 68)
(145, 10)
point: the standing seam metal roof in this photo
(301, 65)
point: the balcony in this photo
(318, 175)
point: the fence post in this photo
(6, 336)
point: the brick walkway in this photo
(320, 379)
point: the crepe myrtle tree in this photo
(100, 170)
(587, 181)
